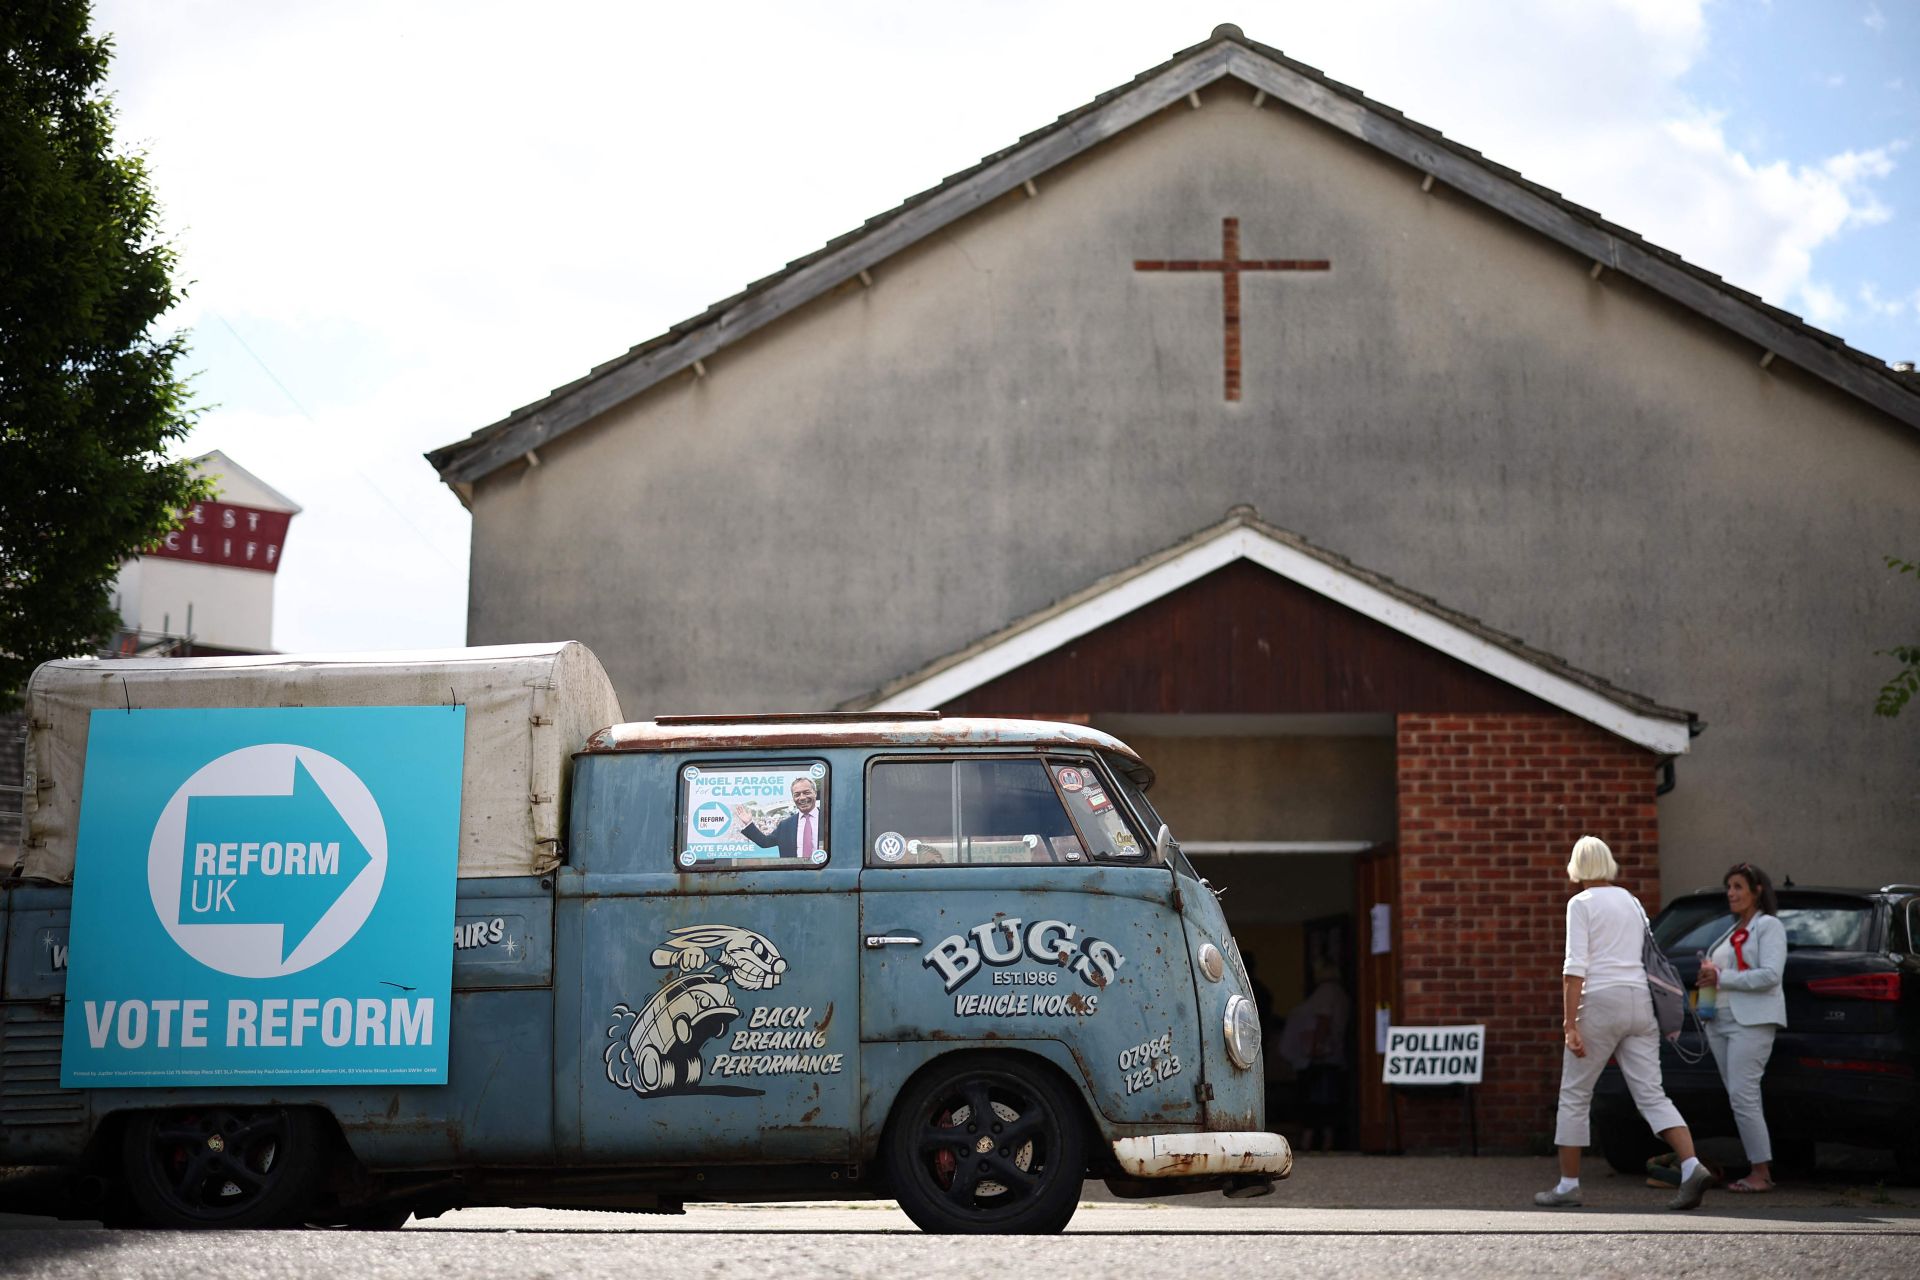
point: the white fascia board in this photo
(1657, 734)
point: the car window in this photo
(966, 813)
(1903, 922)
(1692, 924)
(1147, 817)
(1097, 810)
(1832, 924)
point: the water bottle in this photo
(1705, 999)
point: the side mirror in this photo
(1161, 842)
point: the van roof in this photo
(857, 729)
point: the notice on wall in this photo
(263, 896)
(1381, 917)
(1434, 1055)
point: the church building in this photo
(1410, 520)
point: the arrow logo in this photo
(268, 859)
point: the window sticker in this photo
(1106, 835)
(1071, 779)
(733, 815)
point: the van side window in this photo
(751, 817)
(966, 813)
(1097, 811)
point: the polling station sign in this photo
(1434, 1055)
(263, 896)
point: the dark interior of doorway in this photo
(1293, 918)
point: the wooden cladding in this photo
(1244, 640)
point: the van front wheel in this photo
(987, 1146)
(226, 1167)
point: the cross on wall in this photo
(1230, 264)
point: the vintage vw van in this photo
(956, 962)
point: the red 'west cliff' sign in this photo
(222, 533)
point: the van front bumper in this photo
(1204, 1155)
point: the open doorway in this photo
(1286, 816)
(1292, 915)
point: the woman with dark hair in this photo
(1746, 965)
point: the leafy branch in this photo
(1905, 685)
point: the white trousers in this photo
(1615, 1022)
(1741, 1053)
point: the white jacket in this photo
(1754, 996)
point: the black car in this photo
(1847, 1066)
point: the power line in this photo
(294, 400)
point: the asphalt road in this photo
(1105, 1240)
(1359, 1217)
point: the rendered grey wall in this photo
(1012, 411)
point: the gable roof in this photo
(1244, 536)
(1227, 53)
(241, 485)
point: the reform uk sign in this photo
(263, 896)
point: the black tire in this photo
(230, 1167)
(1017, 1172)
(1627, 1143)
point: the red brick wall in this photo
(1490, 806)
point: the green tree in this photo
(1897, 692)
(89, 400)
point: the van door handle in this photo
(875, 941)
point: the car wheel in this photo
(223, 1166)
(1627, 1144)
(649, 1065)
(987, 1145)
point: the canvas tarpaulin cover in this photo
(529, 707)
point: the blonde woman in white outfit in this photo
(1746, 965)
(1609, 1014)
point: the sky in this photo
(399, 220)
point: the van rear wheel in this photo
(987, 1146)
(229, 1167)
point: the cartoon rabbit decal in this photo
(656, 1049)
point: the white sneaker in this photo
(1556, 1199)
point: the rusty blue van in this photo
(960, 963)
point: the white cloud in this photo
(1822, 305)
(421, 216)
(1875, 20)
(1888, 308)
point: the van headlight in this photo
(1243, 1032)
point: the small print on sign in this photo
(1434, 1055)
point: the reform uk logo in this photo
(267, 860)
